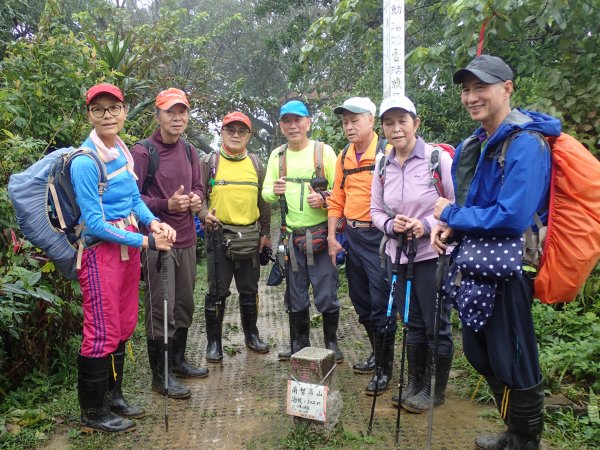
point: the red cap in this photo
(237, 116)
(103, 88)
(170, 97)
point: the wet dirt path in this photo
(241, 405)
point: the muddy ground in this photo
(241, 405)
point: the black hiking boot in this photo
(92, 391)
(330, 326)
(416, 358)
(526, 418)
(156, 356)
(300, 328)
(181, 367)
(497, 441)
(249, 317)
(214, 333)
(368, 366)
(116, 401)
(384, 357)
(420, 402)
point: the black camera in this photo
(319, 184)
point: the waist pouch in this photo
(490, 257)
(480, 264)
(311, 240)
(241, 241)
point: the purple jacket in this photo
(409, 190)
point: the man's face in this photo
(173, 121)
(235, 136)
(486, 103)
(358, 127)
(294, 128)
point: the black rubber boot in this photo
(368, 366)
(92, 391)
(214, 332)
(116, 401)
(249, 317)
(384, 357)
(416, 358)
(495, 441)
(300, 328)
(330, 326)
(285, 355)
(156, 356)
(181, 367)
(526, 418)
(420, 402)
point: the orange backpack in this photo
(571, 247)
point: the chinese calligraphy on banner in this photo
(307, 400)
(393, 48)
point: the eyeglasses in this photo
(99, 111)
(241, 132)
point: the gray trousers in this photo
(181, 277)
(322, 276)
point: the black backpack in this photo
(155, 159)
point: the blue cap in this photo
(295, 107)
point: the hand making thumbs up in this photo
(315, 200)
(179, 202)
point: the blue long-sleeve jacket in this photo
(491, 200)
(120, 198)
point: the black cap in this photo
(489, 69)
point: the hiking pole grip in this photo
(440, 271)
(165, 275)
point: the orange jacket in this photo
(354, 201)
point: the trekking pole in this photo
(215, 243)
(411, 252)
(395, 267)
(165, 274)
(439, 279)
(283, 208)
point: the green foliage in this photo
(568, 431)
(42, 82)
(568, 340)
(539, 40)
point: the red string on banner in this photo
(482, 33)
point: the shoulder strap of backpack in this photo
(212, 160)
(318, 156)
(381, 145)
(255, 163)
(510, 138)
(344, 171)
(381, 171)
(153, 160)
(188, 150)
(435, 170)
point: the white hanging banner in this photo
(393, 47)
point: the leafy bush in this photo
(568, 341)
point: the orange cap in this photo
(237, 116)
(169, 97)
